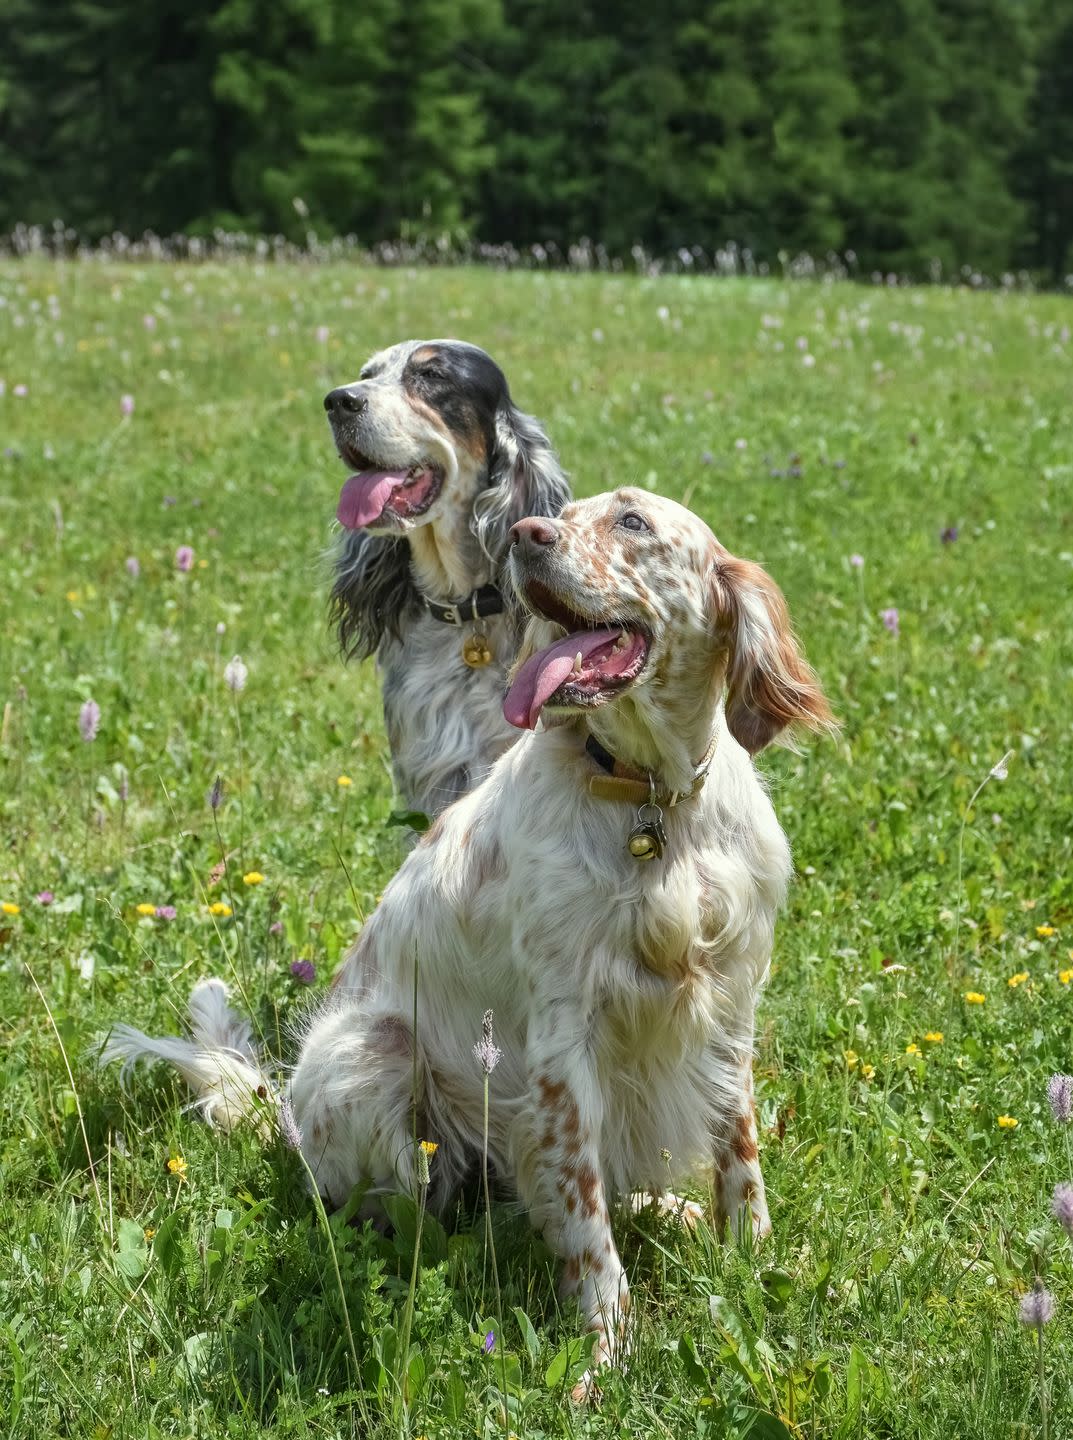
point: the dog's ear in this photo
(371, 592)
(771, 688)
(524, 478)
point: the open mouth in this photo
(593, 662)
(375, 492)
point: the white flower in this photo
(236, 674)
(1000, 770)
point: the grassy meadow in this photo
(157, 1279)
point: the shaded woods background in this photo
(907, 131)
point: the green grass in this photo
(907, 1222)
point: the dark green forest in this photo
(909, 134)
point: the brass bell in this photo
(642, 846)
(475, 651)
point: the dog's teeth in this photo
(577, 663)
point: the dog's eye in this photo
(632, 521)
(432, 372)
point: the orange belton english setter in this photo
(609, 891)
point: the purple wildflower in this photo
(20, 391)
(165, 912)
(706, 457)
(322, 334)
(949, 535)
(1060, 1097)
(304, 971)
(216, 794)
(149, 321)
(184, 558)
(890, 621)
(126, 405)
(486, 1052)
(134, 568)
(276, 928)
(1062, 1205)
(857, 561)
(1037, 1307)
(489, 1342)
(169, 501)
(44, 897)
(288, 1125)
(89, 719)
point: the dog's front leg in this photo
(563, 1187)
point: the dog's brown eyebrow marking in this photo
(424, 353)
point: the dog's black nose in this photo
(345, 400)
(534, 530)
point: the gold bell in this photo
(475, 651)
(642, 847)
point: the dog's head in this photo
(434, 441)
(638, 608)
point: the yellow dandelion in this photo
(429, 1148)
(1007, 1122)
(252, 877)
(73, 597)
(218, 907)
(868, 1071)
(177, 1166)
(149, 1232)
(202, 564)
(973, 997)
(1018, 979)
(934, 1037)
(344, 781)
(1045, 931)
(146, 909)
(10, 908)
(913, 1049)
(1065, 976)
(851, 1057)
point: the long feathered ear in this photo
(524, 478)
(771, 688)
(372, 590)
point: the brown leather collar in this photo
(619, 782)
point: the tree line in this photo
(912, 133)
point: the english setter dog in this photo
(609, 891)
(444, 465)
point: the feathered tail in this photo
(219, 1062)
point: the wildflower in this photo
(1018, 979)
(1062, 1205)
(344, 781)
(89, 719)
(149, 1232)
(21, 391)
(126, 405)
(134, 568)
(236, 674)
(851, 1058)
(489, 1342)
(486, 1052)
(44, 897)
(184, 558)
(890, 621)
(741, 444)
(857, 561)
(177, 1166)
(216, 794)
(9, 908)
(973, 997)
(913, 1049)
(221, 628)
(948, 534)
(165, 912)
(868, 1072)
(429, 1147)
(72, 597)
(253, 877)
(145, 909)
(1060, 1097)
(1037, 1307)
(276, 928)
(1045, 931)
(322, 334)
(1007, 1122)
(219, 907)
(934, 1037)
(288, 1125)
(1065, 976)
(304, 971)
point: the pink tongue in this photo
(363, 497)
(540, 677)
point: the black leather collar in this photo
(603, 757)
(485, 601)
